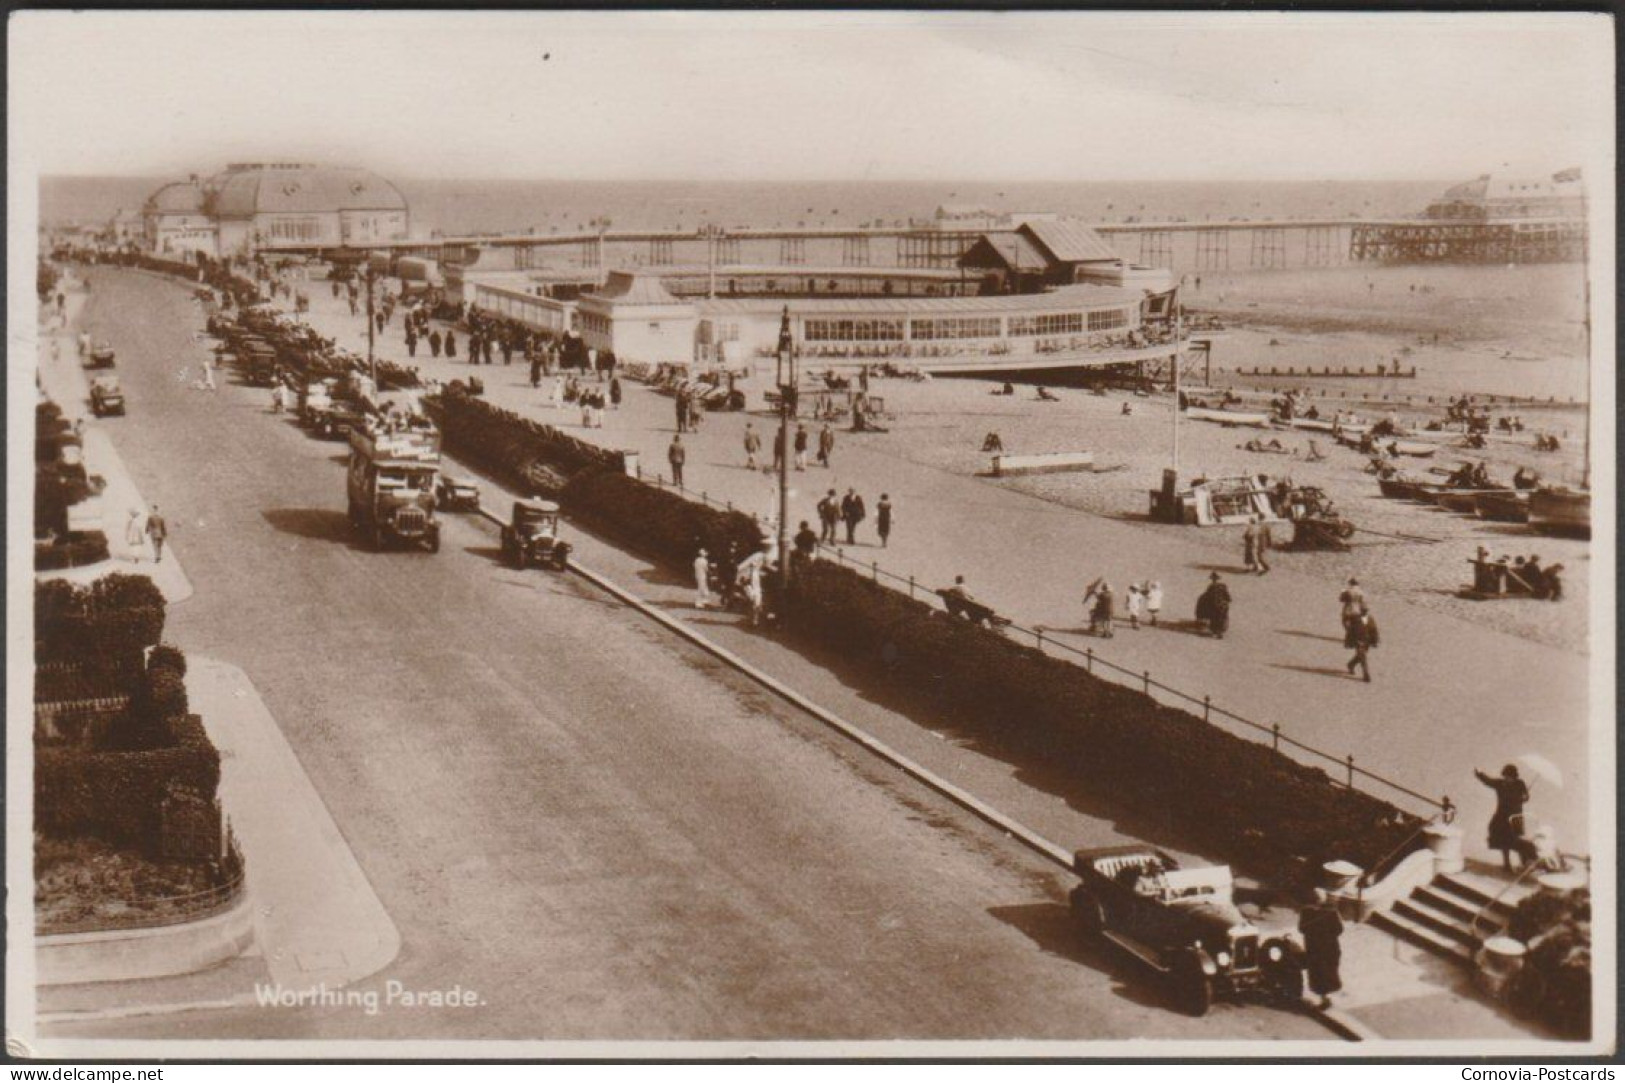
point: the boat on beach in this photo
(1227, 417)
(1453, 498)
(1560, 510)
(1400, 487)
(1505, 506)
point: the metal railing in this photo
(1523, 874)
(1277, 738)
(157, 913)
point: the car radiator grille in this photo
(1244, 952)
(410, 521)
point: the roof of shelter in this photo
(242, 192)
(1062, 299)
(634, 288)
(1069, 240)
(1010, 247)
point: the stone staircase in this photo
(1438, 916)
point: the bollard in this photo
(1089, 659)
(1351, 770)
(1275, 736)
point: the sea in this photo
(473, 206)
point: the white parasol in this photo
(1542, 768)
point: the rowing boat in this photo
(1554, 510)
(1227, 417)
(1507, 506)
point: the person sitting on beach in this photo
(1045, 396)
(992, 443)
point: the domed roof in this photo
(182, 197)
(244, 191)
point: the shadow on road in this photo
(317, 524)
(493, 553)
(1319, 671)
(1051, 927)
(1308, 635)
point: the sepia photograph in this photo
(626, 535)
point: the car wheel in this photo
(1088, 913)
(434, 541)
(1191, 988)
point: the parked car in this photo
(456, 493)
(1184, 925)
(532, 537)
(100, 356)
(106, 396)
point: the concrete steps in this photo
(1439, 917)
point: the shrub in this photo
(509, 445)
(74, 550)
(1238, 797)
(164, 656)
(658, 521)
(112, 621)
(117, 795)
(1555, 982)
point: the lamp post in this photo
(372, 360)
(787, 408)
(713, 237)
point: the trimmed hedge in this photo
(109, 622)
(74, 550)
(521, 450)
(1555, 982)
(658, 521)
(1235, 796)
(119, 795)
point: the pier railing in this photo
(1342, 768)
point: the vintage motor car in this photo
(106, 396)
(457, 493)
(533, 535)
(1184, 924)
(100, 356)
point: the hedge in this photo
(109, 622)
(1555, 982)
(119, 795)
(659, 521)
(517, 448)
(74, 550)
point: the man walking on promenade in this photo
(434, 343)
(801, 446)
(1249, 544)
(157, 531)
(1353, 602)
(1363, 637)
(411, 342)
(702, 581)
(753, 444)
(826, 445)
(682, 412)
(1322, 931)
(853, 512)
(677, 455)
(1261, 552)
(535, 370)
(883, 519)
(829, 512)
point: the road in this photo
(591, 825)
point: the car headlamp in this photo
(1273, 953)
(1223, 958)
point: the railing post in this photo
(1089, 659)
(1148, 682)
(874, 570)
(1207, 709)
(1038, 634)
(1275, 736)
(911, 586)
(1351, 770)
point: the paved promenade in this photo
(1447, 696)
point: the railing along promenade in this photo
(1278, 739)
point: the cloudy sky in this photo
(815, 96)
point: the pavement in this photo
(1448, 695)
(593, 829)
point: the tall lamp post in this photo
(372, 360)
(787, 409)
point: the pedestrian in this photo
(778, 449)
(535, 370)
(208, 375)
(702, 580)
(434, 343)
(157, 532)
(677, 455)
(378, 319)
(487, 351)
(882, 518)
(853, 512)
(753, 590)
(806, 542)
(411, 342)
(1102, 614)
(1353, 602)
(1249, 544)
(829, 513)
(1134, 604)
(1213, 606)
(451, 346)
(1261, 552)
(826, 445)
(557, 397)
(1506, 824)
(135, 534)
(682, 412)
(1364, 636)
(753, 444)
(801, 446)
(1153, 601)
(614, 392)
(1321, 927)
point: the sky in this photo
(817, 96)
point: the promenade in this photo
(1447, 695)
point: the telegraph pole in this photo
(787, 409)
(372, 360)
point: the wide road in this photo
(594, 826)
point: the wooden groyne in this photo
(1377, 373)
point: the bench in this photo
(1054, 462)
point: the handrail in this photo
(1445, 815)
(1528, 868)
(1444, 807)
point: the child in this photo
(1134, 603)
(1153, 600)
